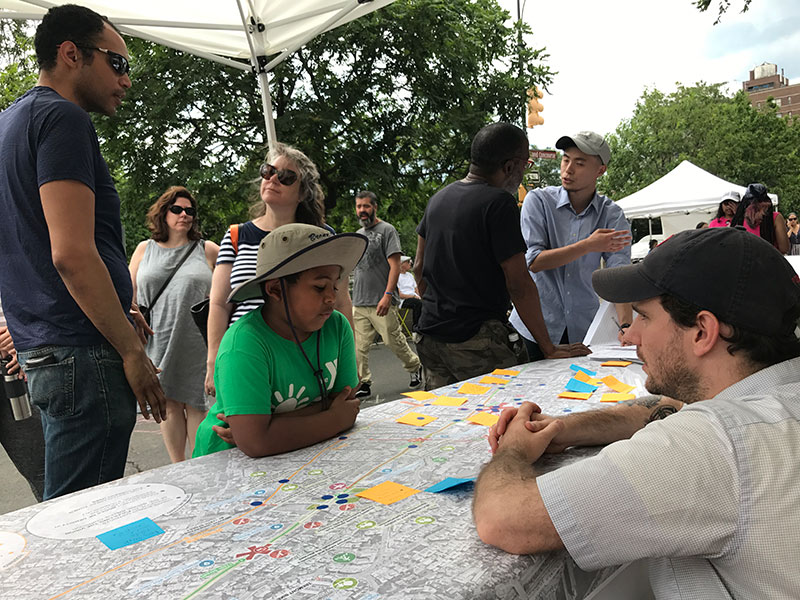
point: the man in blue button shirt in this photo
(568, 230)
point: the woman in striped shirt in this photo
(289, 192)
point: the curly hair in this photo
(756, 194)
(311, 209)
(72, 23)
(157, 214)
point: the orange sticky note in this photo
(449, 401)
(417, 419)
(616, 385)
(471, 388)
(616, 397)
(575, 395)
(388, 492)
(616, 363)
(490, 379)
(507, 372)
(581, 376)
(483, 418)
(420, 395)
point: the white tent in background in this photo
(681, 198)
(220, 30)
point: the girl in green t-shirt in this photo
(286, 374)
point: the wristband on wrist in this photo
(387, 293)
(624, 325)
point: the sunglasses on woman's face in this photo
(176, 209)
(285, 176)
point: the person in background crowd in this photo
(22, 440)
(758, 216)
(701, 225)
(793, 232)
(726, 210)
(569, 230)
(407, 289)
(707, 490)
(470, 264)
(176, 346)
(66, 290)
(374, 284)
(289, 192)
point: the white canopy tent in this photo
(220, 30)
(681, 198)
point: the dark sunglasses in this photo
(117, 62)
(176, 209)
(793, 218)
(285, 176)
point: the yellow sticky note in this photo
(616, 363)
(507, 372)
(484, 418)
(449, 401)
(388, 492)
(490, 379)
(471, 388)
(421, 396)
(581, 376)
(418, 419)
(616, 397)
(575, 395)
(616, 385)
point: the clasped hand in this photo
(526, 430)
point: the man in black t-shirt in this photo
(471, 263)
(63, 270)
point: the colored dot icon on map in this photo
(448, 448)
(279, 553)
(413, 446)
(386, 470)
(338, 486)
(424, 520)
(315, 472)
(283, 481)
(241, 521)
(206, 563)
(345, 583)
(439, 459)
(312, 525)
(344, 557)
(348, 506)
(259, 492)
(342, 495)
(276, 526)
(256, 503)
(342, 437)
(322, 507)
(327, 497)
(342, 501)
(289, 487)
(366, 525)
(258, 474)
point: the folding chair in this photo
(405, 316)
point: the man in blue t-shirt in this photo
(63, 270)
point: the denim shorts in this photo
(88, 413)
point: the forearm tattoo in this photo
(662, 412)
(646, 401)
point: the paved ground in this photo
(147, 448)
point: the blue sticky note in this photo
(584, 369)
(448, 483)
(130, 534)
(573, 385)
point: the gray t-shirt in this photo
(372, 272)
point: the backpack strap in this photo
(235, 237)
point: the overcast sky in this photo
(606, 53)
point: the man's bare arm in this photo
(69, 211)
(419, 262)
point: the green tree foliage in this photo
(16, 57)
(722, 7)
(723, 135)
(388, 102)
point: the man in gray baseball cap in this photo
(568, 229)
(707, 490)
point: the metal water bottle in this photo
(17, 391)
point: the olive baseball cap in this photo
(298, 247)
(587, 142)
(734, 274)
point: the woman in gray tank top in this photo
(176, 346)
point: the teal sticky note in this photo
(448, 483)
(584, 369)
(131, 533)
(573, 385)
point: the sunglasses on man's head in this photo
(285, 176)
(119, 63)
(176, 209)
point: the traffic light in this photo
(534, 107)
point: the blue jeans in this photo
(88, 413)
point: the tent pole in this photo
(261, 73)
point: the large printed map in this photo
(291, 526)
